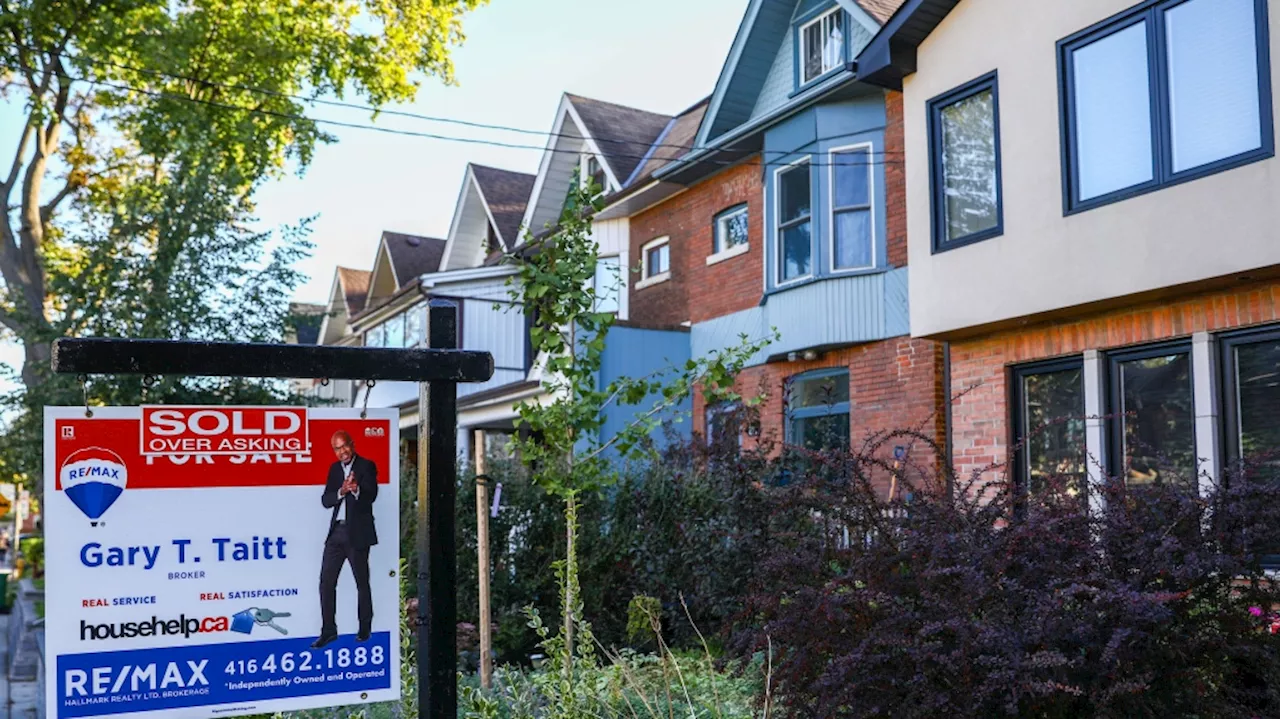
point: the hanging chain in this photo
(364, 410)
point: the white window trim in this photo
(730, 253)
(777, 230)
(622, 285)
(647, 280)
(843, 50)
(831, 204)
(584, 162)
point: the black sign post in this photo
(436, 369)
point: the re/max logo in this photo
(112, 680)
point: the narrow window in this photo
(491, 242)
(851, 209)
(1152, 416)
(730, 230)
(818, 410)
(608, 284)
(1252, 396)
(722, 422)
(593, 169)
(657, 259)
(1048, 425)
(794, 222)
(413, 326)
(1164, 93)
(394, 332)
(964, 131)
(821, 45)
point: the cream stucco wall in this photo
(1215, 226)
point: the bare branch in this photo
(7, 186)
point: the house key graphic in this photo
(266, 618)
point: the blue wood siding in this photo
(635, 352)
(780, 82)
(834, 311)
(749, 66)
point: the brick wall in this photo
(895, 182)
(979, 418)
(697, 291)
(893, 384)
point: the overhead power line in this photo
(414, 116)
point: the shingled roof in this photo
(675, 142)
(412, 255)
(881, 10)
(355, 288)
(623, 134)
(507, 194)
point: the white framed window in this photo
(852, 221)
(592, 167)
(655, 262)
(793, 237)
(821, 45)
(730, 234)
(608, 284)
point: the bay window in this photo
(851, 224)
(822, 45)
(795, 246)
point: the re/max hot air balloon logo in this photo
(93, 479)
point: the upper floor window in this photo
(655, 262)
(491, 242)
(851, 231)
(964, 147)
(592, 167)
(818, 409)
(795, 248)
(821, 45)
(608, 284)
(1163, 93)
(730, 231)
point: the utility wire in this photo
(412, 115)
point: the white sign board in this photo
(218, 561)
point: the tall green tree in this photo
(128, 191)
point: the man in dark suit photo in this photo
(349, 491)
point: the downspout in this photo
(948, 466)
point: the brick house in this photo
(779, 202)
(1091, 213)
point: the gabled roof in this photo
(673, 143)
(891, 54)
(759, 46)
(412, 255)
(622, 134)
(354, 285)
(505, 194)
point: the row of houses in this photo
(971, 216)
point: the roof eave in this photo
(891, 54)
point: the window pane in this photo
(852, 177)
(375, 337)
(820, 391)
(659, 260)
(833, 47)
(812, 48)
(819, 433)
(794, 188)
(853, 239)
(1258, 403)
(969, 165)
(395, 331)
(608, 284)
(1113, 112)
(722, 425)
(796, 251)
(1053, 428)
(731, 231)
(1213, 80)
(1158, 421)
(413, 321)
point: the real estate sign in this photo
(216, 561)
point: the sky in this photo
(518, 59)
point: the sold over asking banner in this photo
(216, 561)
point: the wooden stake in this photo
(482, 551)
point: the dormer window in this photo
(491, 242)
(821, 45)
(592, 167)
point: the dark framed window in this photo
(1048, 422)
(595, 170)
(657, 260)
(1152, 414)
(852, 227)
(818, 409)
(964, 151)
(795, 222)
(491, 242)
(730, 229)
(1251, 398)
(1165, 92)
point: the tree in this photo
(560, 441)
(149, 126)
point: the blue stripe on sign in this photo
(211, 674)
